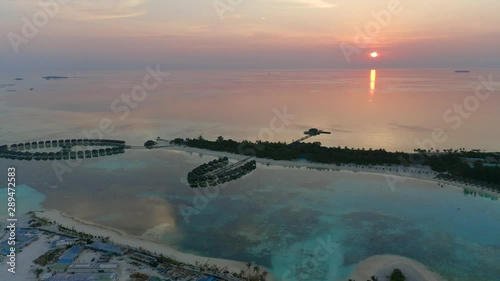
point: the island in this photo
(54, 77)
(469, 167)
(465, 167)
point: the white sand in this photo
(24, 261)
(395, 172)
(137, 242)
(383, 265)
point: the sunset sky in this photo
(301, 34)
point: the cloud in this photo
(83, 9)
(104, 9)
(319, 4)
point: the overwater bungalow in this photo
(28, 156)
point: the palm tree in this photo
(264, 275)
(256, 269)
(249, 264)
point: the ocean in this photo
(276, 216)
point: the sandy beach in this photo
(382, 266)
(394, 174)
(119, 237)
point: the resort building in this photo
(64, 242)
(84, 277)
(106, 248)
(143, 258)
(23, 239)
(68, 257)
(92, 268)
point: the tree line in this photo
(449, 162)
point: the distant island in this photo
(19, 79)
(462, 71)
(54, 77)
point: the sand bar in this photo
(382, 266)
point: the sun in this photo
(374, 55)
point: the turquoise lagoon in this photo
(277, 217)
(27, 199)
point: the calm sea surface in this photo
(391, 109)
(276, 217)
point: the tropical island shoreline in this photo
(380, 265)
(394, 174)
(119, 237)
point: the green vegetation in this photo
(49, 257)
(149, 144)
(37, 221)
(313, 152)
(397, 275)
(139, 276)
(454, 168)
(38, 271)
(82, 235)
(450, 163)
